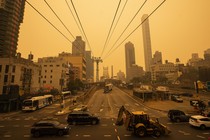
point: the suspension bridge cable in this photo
(137, 27)
(48, 21)
(119, 18)
(62, 24)
(73, 16)
(111, 27)
(81, 25)
(126, 27)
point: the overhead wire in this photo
(48, 21)
(81, 26)
(126, 28)
(73, 17)
(136, 28)
(79, 49)
(111, 27)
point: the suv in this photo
(82, 117)
(49, 127)
(199, 121)
(178, 116)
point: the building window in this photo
(13, 69)
(4, 91)
(45, 76)
(50, 81)
(45, 65)
(0, 68)
(44, 82)
(51, 70)
(5, 78)
(51, 76)
(58, 65)
(7, 69)
(13, 79)
(51, 65)
(45, 71)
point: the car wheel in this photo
(60, 133)
(203, 127)
(94, 122)
(36, 134)
(178, 120)
(141, 131)
(157, 133)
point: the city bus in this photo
(37, 102)
(65, 94)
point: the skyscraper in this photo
(11, 15)
(78, 46)
(157, 58)
(129, 57)
(147, 43)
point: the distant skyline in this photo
(178, 29)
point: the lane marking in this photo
(2, 126)
(86, 135)
(206, 133)
(118, 137)
(26, 136)
(7, 136)
(101, 110)
(107, 135)
(127, 135)
(200, 137)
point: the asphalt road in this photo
(106, 106)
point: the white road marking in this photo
(101, 110)
(136, 104)
(118, 137)
(107, 135)
(200, 137)
(17, 119)
(1, 126)
(86, 135)
(185, 133)
(115, 130)
(206, 133)
(7, 136)
(127, 135)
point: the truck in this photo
(108, 88)
(140, 123)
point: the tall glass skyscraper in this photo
(11, 16)
(129, 58)
(147, 43)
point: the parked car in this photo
(176, 98)
(81, 108)
(82, 117)
(199, 121)
(49, 127)
(178, 116)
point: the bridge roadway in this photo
(106, 106)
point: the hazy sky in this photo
(178, 29)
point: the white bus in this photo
(37, 102)
(65, 94)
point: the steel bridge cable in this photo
(137, 26)
(73, 17)
(126, 27)
(81, 25)
(48, 21)
(111, 27)
(62, 24)
(118, 18)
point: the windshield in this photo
(27, 103)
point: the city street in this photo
(106, 106)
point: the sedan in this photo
(49, 127)
(199, 121)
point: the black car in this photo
(178, 116)
(49, 127)
(82, 117)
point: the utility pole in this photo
(97, 60)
